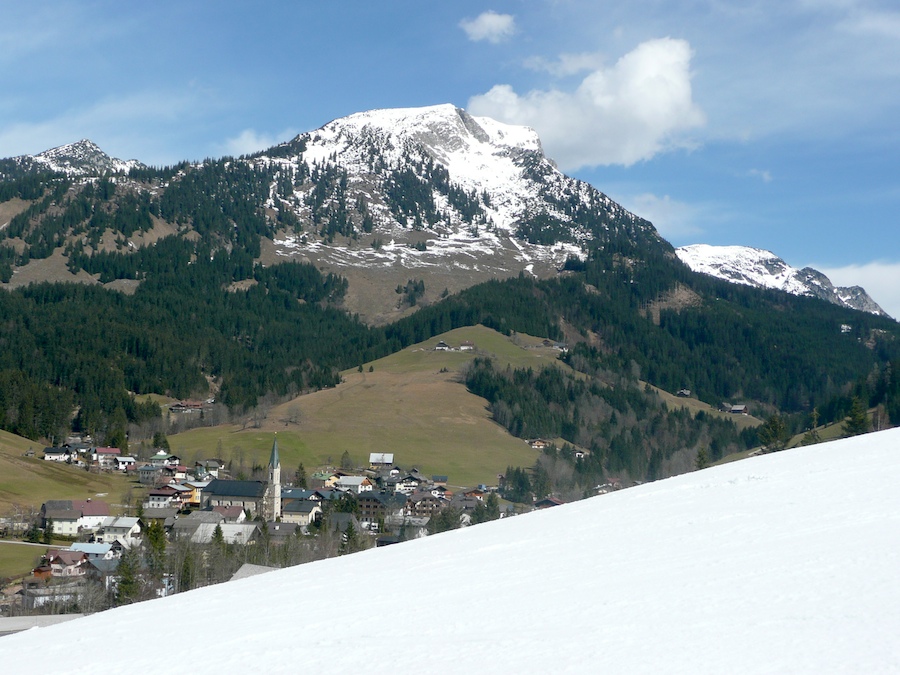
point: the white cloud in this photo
(624, 114)
(250, 141)
(490, 26)
(881, 280)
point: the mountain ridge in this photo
(763, 269)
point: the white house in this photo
(124, 529)
(355, 484)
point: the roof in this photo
(274, 459)
(248, 570)
(91, 549)
(124, 522)
(301, 506)
(381, 458)
(109, 451)
(253, 489)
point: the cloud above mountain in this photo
(621, 114)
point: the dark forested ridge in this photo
(207, 313)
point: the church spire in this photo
(274, 486)
(274, 459)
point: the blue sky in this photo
(759, 123)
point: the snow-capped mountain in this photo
(785, 563)
(764, 269)
(439, 186)
(83, 158)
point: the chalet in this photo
(58, 455)
(166, 496)
(188, 406)
(683, 393)
(378, 460)
(67, 563)
(739, 409)
(547, 502)
(466, 346)
(163, 458)
(125, 463)
(301, 512)
(106, 457)
(440, 480)
(126, 530)
(442, 347)
(354, 484)
(208, 466)
(475, 493)
(72, 516)
(539, 444)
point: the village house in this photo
(63, 455)
(126, 530)
(148, 474)
(376, 506)
(425, 504)
(354, 484)
(73, 516)
(379, 460)
(302, 512)
(105, 458)
(163, 458)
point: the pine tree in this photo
(702, 460)
(857, 421)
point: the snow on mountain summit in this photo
(83, 157)
(763, 269)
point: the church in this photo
(259, 498)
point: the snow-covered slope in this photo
(82, 158)
(763, 269)
(785, 563)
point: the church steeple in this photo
(274, 487)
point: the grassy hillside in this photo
(17, 559)
(411, 404)
(30, 481)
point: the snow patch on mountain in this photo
(763, 269)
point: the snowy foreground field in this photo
(788, 563)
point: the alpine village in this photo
(405, 322)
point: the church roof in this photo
(236, 488)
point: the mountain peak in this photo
(763, 269)
(83, 157)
